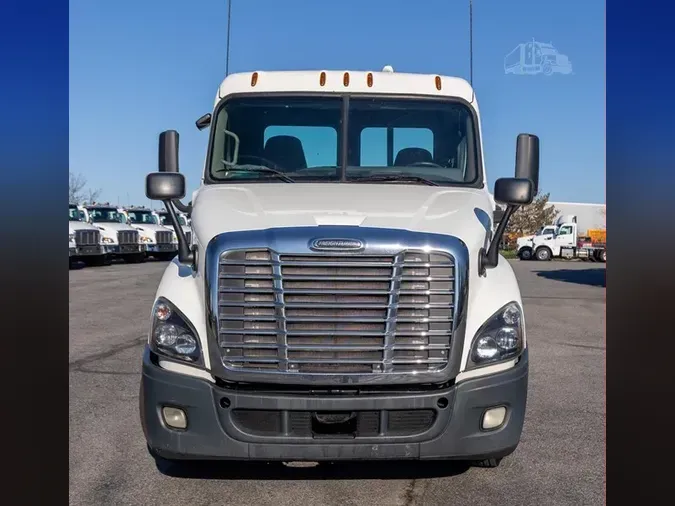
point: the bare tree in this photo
(528, 219)
(78, 191)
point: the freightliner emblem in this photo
(336, 244)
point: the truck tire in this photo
(487, 463)
(603, 256)
(544, 254)
(525, 254)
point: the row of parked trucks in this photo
(99, 233)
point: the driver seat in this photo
(410, 156)
(286, 152)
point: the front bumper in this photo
(91, 250)
(162, 248)
(125, 249)
(214, 432)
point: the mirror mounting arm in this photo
(185, 254)
(187, 209)
(490, 259)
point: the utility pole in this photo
(227, 50)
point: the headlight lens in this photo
(172, 334)
(146, 240)
(107, 240)
(500, 338)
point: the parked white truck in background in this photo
(84, 239)
(560, 240)
(343, 297)
(159, 241)
(120, 239)
(183, 221)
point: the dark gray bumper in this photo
(213, 433)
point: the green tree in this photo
(528, 219)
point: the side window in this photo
(565, 230)
(319, 143)
(374, 143)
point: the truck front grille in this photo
(164, 237)
(87, 237)
(335, 314)
(127, 237)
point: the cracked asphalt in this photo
(560, 459)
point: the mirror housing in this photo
(527, 159)
(204, 121)
(168, 151)
(165, 186)
(514, 191)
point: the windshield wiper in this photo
(257, 168)
(395, 177)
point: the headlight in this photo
(146, 240)
(107, 240)
(500, 338)
(172, 334)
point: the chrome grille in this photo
(87, 237)
(127, 237)
(164, 237)
(335, 314)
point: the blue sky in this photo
(137, 68)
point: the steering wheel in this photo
(425, 164)
(257, 160)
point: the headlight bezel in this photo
(490, 329)
(176, 318)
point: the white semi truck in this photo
(183, 221)
(120, 239)
(159, 241)
(560, 240)
(343, 297)
(84, 239)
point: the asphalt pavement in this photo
(560, 459)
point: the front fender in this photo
(185, 289)
(486, 296)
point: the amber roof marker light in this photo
(322, 79)
(254, 79)
(369, 80)
(345, 79)
(438, 83)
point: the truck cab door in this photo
(566, 237)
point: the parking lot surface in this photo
(560, 459)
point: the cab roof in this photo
(346, 81)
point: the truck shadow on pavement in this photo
(591, 277)
(355, 470)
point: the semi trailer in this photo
(342, 296)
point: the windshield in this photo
(74, 214)
(274, 138)
(164, 220)
(142, 217)
(101, 215)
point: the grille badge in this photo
(336, 245)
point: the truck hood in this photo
(80, 225)
(114, 227)
(464, 213)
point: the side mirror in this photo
(514, 191)
(204, 121)
(168, 151)
(527, 159)
(165, 186)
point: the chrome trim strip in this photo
(296, 241)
